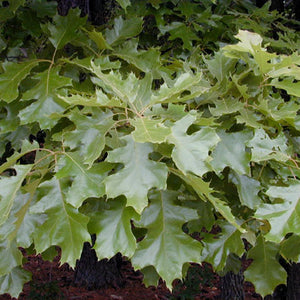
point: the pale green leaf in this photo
(290, 248)
(191, 152)
(182, 31)
(246, 42)
(9, 186)
(130, 90)
(123, 30)
(231, 152)
(20, 224)
(86, 182)
(265, 272)
(124, 3)
(145, 60)
(99, 99)
(47, 102)
(195, 84)
(226, 106)
(11, 78)
(264, 148)
(149, 130)
(99, 40)
(65, 28)
(248, 189)
(65, 226)
(292, 87)
(249, 118)
(113, 229)
(166, 247)
(217, 249)
(13, 282)
(26, 147)
(283, 217)
(220, 66)
(150, 276)
(11, 257)
(89, 135)
(205, 192)
(138, 175)
(278, 110)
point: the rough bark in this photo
(95, 274)
(232, 286)
(98, 11)
(297, 9)
(277, 5)
(293, 282)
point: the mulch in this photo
(52, 281)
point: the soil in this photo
(52, 281)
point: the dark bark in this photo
(232, 286)
(293, 282)
(275, 4)
(95, 274)
(297, 9)
(98, 11)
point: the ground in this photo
(51, 281)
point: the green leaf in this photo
(220, 66)
(191, 152)
(283, 217)
(11, 257)
(150, 276)
(47, 101)
(226, 106)
(26, 148)
(180, 30)
(248, 189)
(20, 224)
(265, 272)
(9, 11)
(86, 183)
(123, 30)
(264, 148)
(279, 110)
(9, 186)
(11, 78)
(149, 130)
(65, 29)
(292, 87)
(217, 248)
(145, 60)
(113, 229)
(130, 90)
(196, 85)
(165, 246)
(89, 135)
(205, 192)
(124, 3)
(290, 248)
(231, 152)
(138, 175)
(64, 227)
(99, 40)
(13, 282)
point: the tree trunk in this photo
(297, 9)
(98, 11)
(275, 4)
(232, 286)
(95, 274)
(293, 282)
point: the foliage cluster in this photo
(177, 117)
